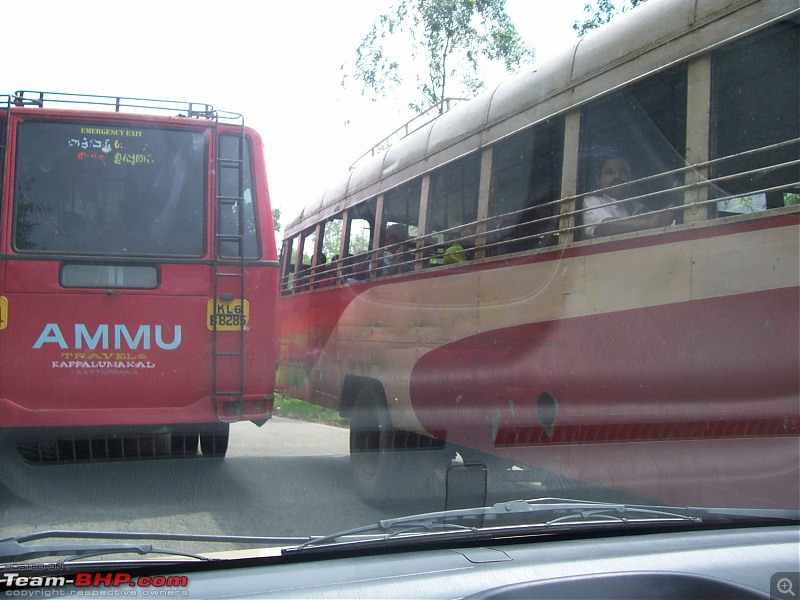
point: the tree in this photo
(331, 237)
(446, 39)
(276, 219)
(358, 241)
(602, 14)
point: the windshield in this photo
(564, 302)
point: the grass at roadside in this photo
(293, 408)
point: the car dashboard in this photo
(753, 562)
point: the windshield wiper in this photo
(18, 549)
(536, 513)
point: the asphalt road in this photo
(287, 478)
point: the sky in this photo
(276, 62)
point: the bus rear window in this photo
(109, 189)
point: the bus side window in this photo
(328, 260)
(308, 244)
(400, 225)
(453, 201)
(355, 265)
(288, 259)
(644, 128)
(755, 111)
(229, 187)
(525, 203)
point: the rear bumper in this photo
(255, 407)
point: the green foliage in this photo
(743, 205)
(331, 238)
(359, 240)
(293, 408)
(602, 13)
(359, 243)
(276, 219)
(447, 41)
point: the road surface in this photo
(285, 478)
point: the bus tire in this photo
(214, 443)
(383, 474)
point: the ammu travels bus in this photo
(138, 278)
(588, 273)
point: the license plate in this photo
(227, 315)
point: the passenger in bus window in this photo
(355, 268)
(348, 275)
(394, 258)
(613, 214)
(325, 275)
(535, 229)
(460, 245)
(304, 276)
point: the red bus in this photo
(586, 275)
(138, 277)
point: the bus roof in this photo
(619, 53)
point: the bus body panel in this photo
(414, 315)
(130, 353)
(647, 346)
(557, 392)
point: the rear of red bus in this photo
(119, 231)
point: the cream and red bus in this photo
(456, 297)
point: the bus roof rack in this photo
(197, 110)
(418, 121)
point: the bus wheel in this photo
(214, 443)
(383, 473)
(369, 425)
